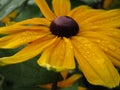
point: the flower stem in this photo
(54, 85)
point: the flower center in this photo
(64, 26)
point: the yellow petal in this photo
(42, 4)
(35, 21)
(82, 13)
(14, 28)
(115, 61)
(10, 23)
(82, 88)
(68, 82)
(108, 44)
(10, 16)
(30, 25)
(80, 18)
(46, 86)
(29, 51)
(69, 61)
(21, 38)
(59, 57)
(79, 10)
(6, 20)
(112, 32)
(64, 74)
(96, 67)
(61, 7)
(63, 83)
(45, 57)
(109, 18)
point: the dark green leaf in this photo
(30, 11)
(26, 74)
(1, 81)
(115, 4)
(90, 1)
(75, 3)
(24, 88)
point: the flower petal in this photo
(35, 21)
(16, 29)
(45, 57)
(9, 17)
(63, 83)
(108, 44)
(82, 88)
(64, 74)
(112, 32)
(21, 38)
(30, 25)
(82, 13)
(69, 81)
(78, 10)
(69, 54)
(115, 61)
(59, 56)
(109, 18)
(96, 67)
(32, 49)
(42, 4)
(46, 86)
(80, 18)
(61, 7)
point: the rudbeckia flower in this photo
(88, 36)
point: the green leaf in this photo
(30, 11)
(115, 4)
(24, 88)
(75, 3)
(9, 52)
(31, 2)
(26, 74)
(3, 3)
(90, 1)
(8, 6)
(1, 81)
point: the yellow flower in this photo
(9, 17)
(66, 82)
(89, 36)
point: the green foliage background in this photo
(27, 75)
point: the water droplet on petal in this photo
(98, 41)
(112, 47)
